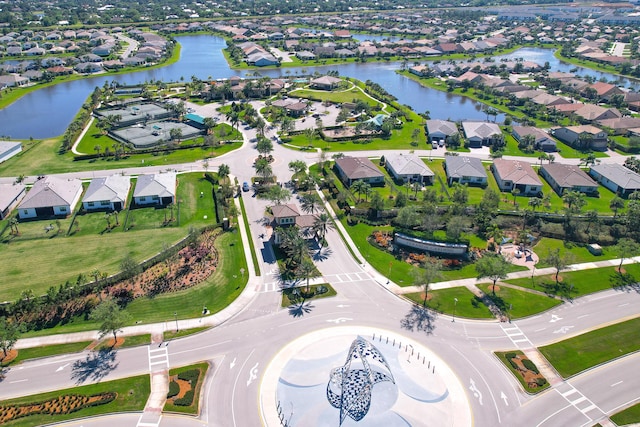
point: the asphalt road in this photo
(241, 349)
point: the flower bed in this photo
(65, 404)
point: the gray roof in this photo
(459, 166)
(8, 193)
(446, 127)
(358, 167)
(480, 129)
(618, 174)
(51, 191)
(569, 176)
(113, 188)
(407, 164)
(160, 184)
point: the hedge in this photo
(174, 389)
(191, 375)
(186, 400)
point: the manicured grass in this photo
(132, 395)
(194, 407)
(351, 94)
(443, 301)
(516, 303)
(516, 373)
(289, 298)
(630, 415)
(131, 341)
(171, 335)
(254, 256)
(576, 354)
(49, 350)
(579, 253)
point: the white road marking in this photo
(541, 329)
(563, 330)
(584, 315)
(504, 397)
(253, 374)
(62, 367)
(339, 320)
(554, 318)
(615, 384)
(233, 363)
(474, 390)
(17, 381)
(622, 305)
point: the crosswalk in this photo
(517, 337)
(276, 286)
(158, 358)
(579, 401)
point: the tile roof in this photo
(407, 164)
(618, 174)
(459, 166)
(358, 167)
(516, 171)
(569, 176)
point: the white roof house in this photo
(50, 196)
(10, 196)
(480, 133)
(159, 188)
(107, 193)
(408, 168)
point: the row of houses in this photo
(51, 196)
(510, 175)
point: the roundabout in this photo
(361, 376)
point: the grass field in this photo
(132, 395)
(444, 301)
(579, 253)
(576, 354)
(289, 298)
(630, 415)
(49, 350)
(352, 94)
(516, 303)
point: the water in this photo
(47, 112)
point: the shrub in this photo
(510, 355)
(187, 400)
(190, 375)
(540, 382)
(530, 365)
(321, 290)
(174, 389)
(513, 364)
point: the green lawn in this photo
(172, 335)
(444, 301)
(576, 354)
(49, 350)
(352, 94)
(516, 303)
(630, 415)
(579, 253)
(291, 296)
(131, 341)
(132, 395)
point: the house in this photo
(261, 59)
(287, 215)
(606, 90)
(351, 169)
(50, 196)
(108, 193)
(465, 170)
(10, 196)
(622, 125)
(408, 168)
(590, 113)
(440, 130)
(155, 189)
(586, 135)
(480, 133)
(325, 82)
(616, 178)
(568, 178)
(11, 80)
(516, 175)
(542, 140)
(9, 149)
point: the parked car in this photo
(245, 186)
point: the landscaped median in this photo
(631, 415)
(574, 355)
(458, 301)
(185, 384)
(128, 394)
(524, 370)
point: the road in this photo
(242, 348)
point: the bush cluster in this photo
(191, 375)
(186, 400)
(530, 365)
(174, 389)
(65, 404)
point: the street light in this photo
(533, 273)
(455, 303)
(175, 315)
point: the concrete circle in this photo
(294, 386)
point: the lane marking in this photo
(615, 384)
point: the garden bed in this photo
(525, 370)
(184, 388)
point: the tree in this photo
(223, 171)
(307, 270)
(297, 166)
(616, 204)
(459, 195)
(263, 168)
(492, 266)
(321, 225)
(175, 134)
(574, 200)
(264, 146)
(558, 261)
(455, 226)
(310, 203)
(626, 248)
(9, 334)
(490, 200)
(428, 272)
(277, 194)
(515, 193)
(129, 267)
(535, 203)
(359, 186)
(111, 318)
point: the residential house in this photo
(13, 80)
(590, 113)
(465, 170)
(10, 196)
(606, 90)
(578, 136)
(616, 178)
(516, 175)
(440, 130)
(325, 82)
(568, 178)
(50, 196)
(155, 189)
(480, 133)
(542, 140)
(9, 149)
(108, 193)
(287, 215)
(351, 169)
(621, 125)
(408, 168)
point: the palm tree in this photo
(515, 192)
(321, 225)
(535, 203)
(263, 168)
(359, 186)
(616, 204)
(307, 270)
(310, 203)
(223, 171)
(97, 148)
